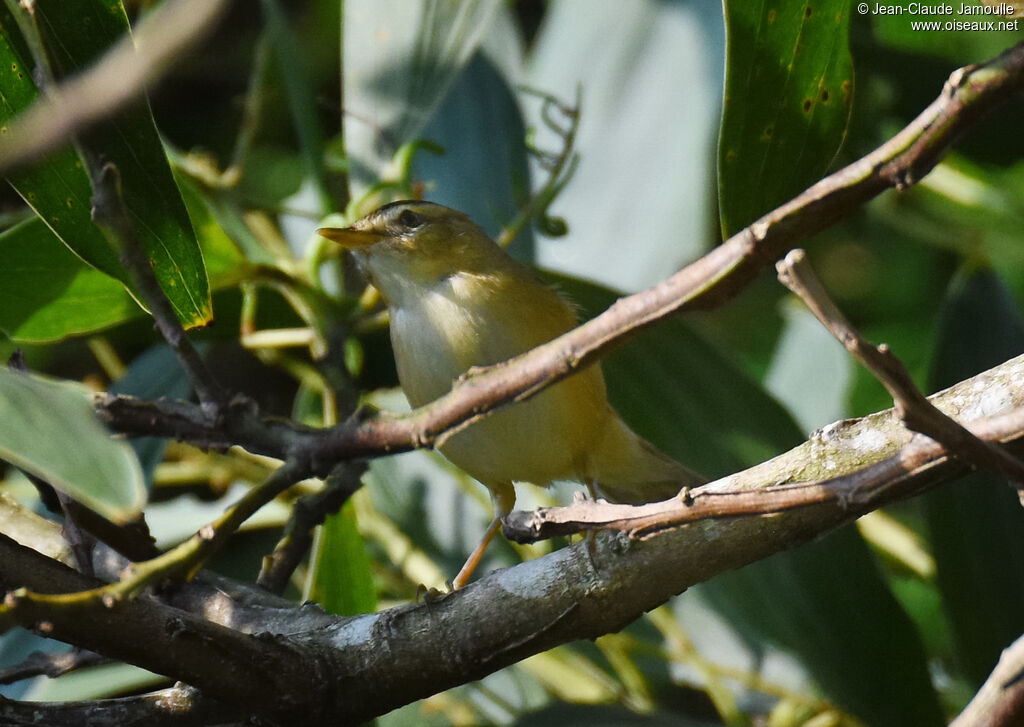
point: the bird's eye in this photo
(409, 219)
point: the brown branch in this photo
(371, 664)
(1000, 702)
(967, 96)
(798, 479)
(111, 215)
(307, 513)
(919, 414)
(230, 665)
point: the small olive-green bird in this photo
(457, 300)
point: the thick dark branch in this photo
(371, 664)
(230, 665)
(179, 706)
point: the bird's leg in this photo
(590, 536)
(503, 497)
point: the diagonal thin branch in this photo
(967, 96)
(919, 414)
(782, 487)
(1000, 701)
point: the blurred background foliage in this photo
(604, 122)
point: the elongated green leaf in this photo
(340, 575)
(788, 94)
(977, 525)
(47, 293)
(58, 189)
(48, 428)
(849, 633)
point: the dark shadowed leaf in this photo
(788, 95)
(976, 525)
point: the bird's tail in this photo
(632, 470)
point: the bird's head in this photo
(411, 245)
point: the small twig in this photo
(1000, 702)
(307, 513)
(178, 706)
(110, 213)
(856, 491)
(40, 663)
(919, 414)
(560, 167)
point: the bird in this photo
(457, 301)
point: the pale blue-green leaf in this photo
(155, 373)
(48, 429)
(811, 371)
(484, 170)
(650, 74)
(400, 59)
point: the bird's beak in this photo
(349, 237)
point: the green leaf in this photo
(47, 293)
(966, 46)
(340, 577)
(976, 525)
(788, 94)
(48, 428)
(58, 189)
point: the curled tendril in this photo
(563, 120)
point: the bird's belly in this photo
(539, 440)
